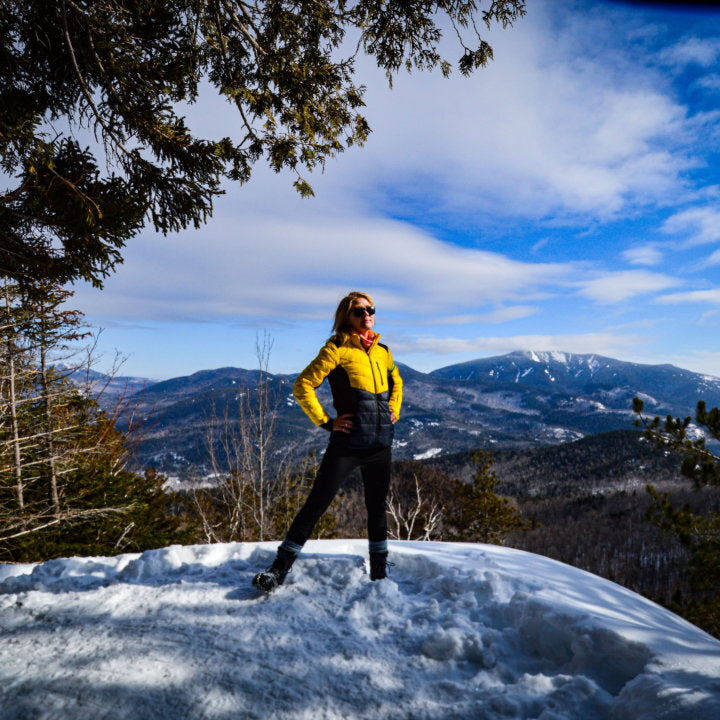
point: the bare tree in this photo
(405, 516)
(257, 428)
(246, 478)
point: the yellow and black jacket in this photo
(363, 382)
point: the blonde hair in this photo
(341, 326)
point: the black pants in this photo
(336, 465)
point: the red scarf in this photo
(367, 340)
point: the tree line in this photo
(65, 487)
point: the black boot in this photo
(275, 575)
(378, 565)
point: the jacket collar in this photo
(357, 342)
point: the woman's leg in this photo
(336, 465)
(376, 482)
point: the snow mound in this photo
(458, 631)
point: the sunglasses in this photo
(359, 312)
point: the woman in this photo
(367, 393)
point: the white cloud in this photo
(614, 287)
(701, 361)
(711, 317)
(648, 254)
(547, 128)
(692, 51)
(497, 316)
(297, 267)
(698, 225)
(710, 297)
(598, 343)
(709, 82)
(713, 259)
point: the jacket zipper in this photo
(380, 375)
(377, 401)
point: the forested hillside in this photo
(609, 462)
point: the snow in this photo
(502, 400)
(458, 631)
(548, 357)
(560, 357)
(430, 453)
(559, 434)
(647, 399)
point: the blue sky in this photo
(567, 197)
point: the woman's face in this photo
(361, 322)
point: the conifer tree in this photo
(482, 515)
(51, 330)
(700, 533)
(120, 73)
(64, 485)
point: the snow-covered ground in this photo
(459, 631)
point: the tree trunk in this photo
(49, 443)
(17, 460)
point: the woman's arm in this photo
(397, 388)
(312, 377)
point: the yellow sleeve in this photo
(312, 377)
(396, 395)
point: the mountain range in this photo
(519, 400)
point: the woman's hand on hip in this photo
(343, 423)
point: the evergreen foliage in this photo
(598, 463)
(699, 532)
(64, 487)
(482, 515)
(92, 131)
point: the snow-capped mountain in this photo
(585, 375)
(524, 399)
(527, 399)
(458, 631)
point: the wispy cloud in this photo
(614, 287)
(597, 343)
(494, 317)
(550, 127)
(709, 82)
(697, 225)
(649, 254)
(297, 268)
(692, 51)
(713, 259)
(704, 297)
(698, 361)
